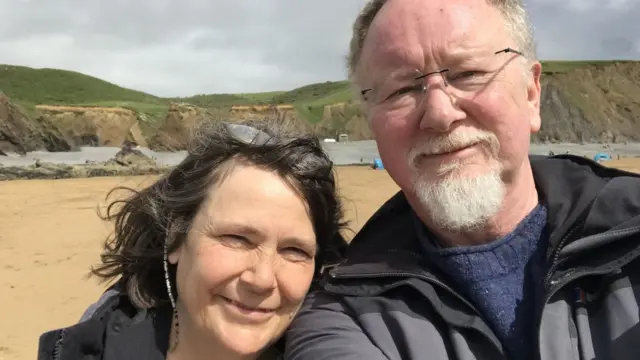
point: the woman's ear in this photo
(175, 256)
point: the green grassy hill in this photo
(28, 87)
(53, 86)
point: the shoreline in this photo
(52, 171)
(90, 162)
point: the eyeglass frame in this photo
(507, 50)
(248, 134)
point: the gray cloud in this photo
(179, 48)
(587, 29)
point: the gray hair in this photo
(517, 22)
(163, 212)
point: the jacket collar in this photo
(119, 330)
(577, 192)
(116, 330)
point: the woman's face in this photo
(247, 262)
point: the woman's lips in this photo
(247, 308)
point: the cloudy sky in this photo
(181, 48)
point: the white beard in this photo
(457, 202)
(461, 204)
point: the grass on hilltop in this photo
(28, 87)
(560, 66)
(52, 86)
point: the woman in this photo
(214, 259)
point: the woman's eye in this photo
(296, 254)
(235, 240)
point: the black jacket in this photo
(386, 301)
(114, 329)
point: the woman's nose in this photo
(260, 276)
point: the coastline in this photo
(51, 171)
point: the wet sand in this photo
(51, 235)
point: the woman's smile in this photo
(246, 312)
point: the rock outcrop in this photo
(20, 134)
(594, 104)
(127, 162)
(128, 156)
(343, 118)
(94, 126)
(174, 133)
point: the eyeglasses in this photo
(248, 134)
(404, 90)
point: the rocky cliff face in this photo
(343, 118)
(20, 134)
(94, 126)
(174, 133)
(595, 103)
(592, 104)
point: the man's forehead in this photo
(404, 33)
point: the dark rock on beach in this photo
(127, 162)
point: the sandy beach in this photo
(51, 235)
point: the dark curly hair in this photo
(164, 210)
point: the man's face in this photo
(455, 146)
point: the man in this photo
(486, 252)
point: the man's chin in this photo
(432, 178)
(458, 202)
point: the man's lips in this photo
(448, 151)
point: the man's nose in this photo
(439, 107)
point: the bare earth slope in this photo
(592, 104)
(94, 126)
(20, 134)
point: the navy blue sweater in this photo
(502, 278)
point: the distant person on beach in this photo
(213, 260)
(486, 252)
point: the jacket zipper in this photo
(429, 279)
(556, 255)
(57, 348)
(554, 265)
(556, 262)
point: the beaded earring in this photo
(175, 326)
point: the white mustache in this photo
(452, 142)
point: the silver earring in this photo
(175, 326)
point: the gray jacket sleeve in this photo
(90, 311)
(323, 330)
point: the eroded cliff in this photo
(582, 102)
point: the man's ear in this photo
(533, 96)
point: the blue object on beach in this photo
(601, 156)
